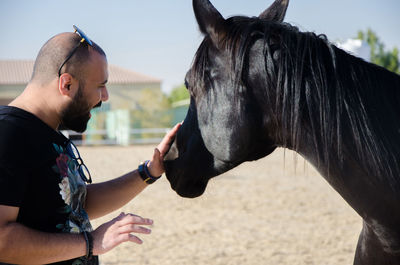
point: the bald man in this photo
(45, 202)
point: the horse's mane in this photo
(347, 102)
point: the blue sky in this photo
(159, 38)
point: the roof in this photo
(119, 75)
(14, 72)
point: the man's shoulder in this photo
(10, 125)
(13, 126)
(23, 134)
(15, 117)
(15, 122)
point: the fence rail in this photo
(100, 137)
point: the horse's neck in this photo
(342, 162)
(370, 196)
(350, 179)
(363, 117)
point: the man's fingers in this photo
(156, 155)
(129, 237)
(129, 224)
(135, 239)
(168, 138)
(131, 228)
(133, 219)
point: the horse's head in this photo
(224, 125)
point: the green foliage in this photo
(152, 110)
(387, 59)
(178, 93)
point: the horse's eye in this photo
(186, 84)
(276, 54)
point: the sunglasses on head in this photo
(83, 39)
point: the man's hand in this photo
(156, 165)
(119, 230)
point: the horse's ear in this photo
(276, 12)
(210, 21)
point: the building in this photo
(114, 122)
(124, 86)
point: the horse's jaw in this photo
(189, 184)
(189, 175)
(189, 168)
(190, 163)
(189, 172)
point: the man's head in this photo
(80, 82)
(54, 52)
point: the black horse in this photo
(257, 83)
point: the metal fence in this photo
(134, 136)
(126, 126)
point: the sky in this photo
(159, 38)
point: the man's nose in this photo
(104, 94)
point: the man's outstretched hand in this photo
(156, 165)
(119, 230)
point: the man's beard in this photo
(77, 114)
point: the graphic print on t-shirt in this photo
(73, 192)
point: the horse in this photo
(258, 83)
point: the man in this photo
(45, 204)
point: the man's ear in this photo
(64, 84)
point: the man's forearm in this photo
(105, 197)
(22, 245)
(109, 196)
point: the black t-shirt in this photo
(38, 176)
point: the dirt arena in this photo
(277, 210)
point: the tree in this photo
(387, 59)
(178, 93)
(152, 110)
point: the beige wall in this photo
(122, 96)
(126, 96)
(7, 91)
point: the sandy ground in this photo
(277, 210)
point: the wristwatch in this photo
(145, 174)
